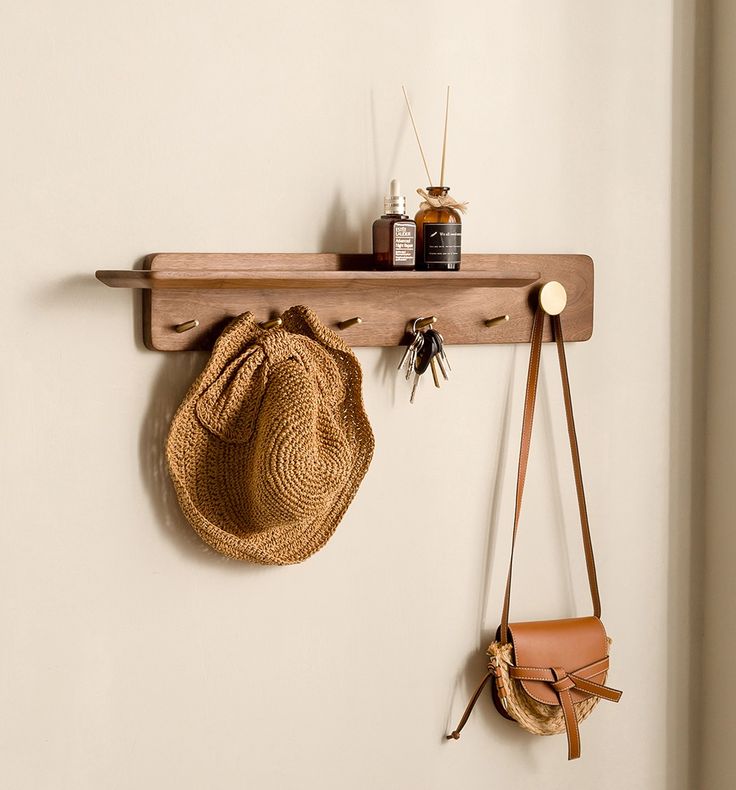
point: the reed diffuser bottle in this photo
(439, 231)
(439, 226)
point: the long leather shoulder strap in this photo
(526, 436)
(577, 469)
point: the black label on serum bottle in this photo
(442, 245)
(404, 244)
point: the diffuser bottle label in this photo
(405, 240)
(442, 245)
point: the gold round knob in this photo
(553, 297)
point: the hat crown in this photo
(230, 406)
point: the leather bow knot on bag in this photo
(548, 675)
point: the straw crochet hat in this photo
(271, 442)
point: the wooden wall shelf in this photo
(222, 278)
(215, 287)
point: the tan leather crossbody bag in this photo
(548, 675)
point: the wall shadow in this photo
(552, 466)
(176, 374)
(690, 230)
(487, 633)
(505, 735)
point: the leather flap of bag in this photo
(571, 644)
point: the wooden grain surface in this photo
(385, 303)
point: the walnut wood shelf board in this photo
(221, 278)
(215, 287)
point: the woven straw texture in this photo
(270, 444)
(536, 717)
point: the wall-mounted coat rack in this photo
(188, 298)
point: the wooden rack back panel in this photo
(213, 288)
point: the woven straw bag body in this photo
(513, 702)
(548, 675)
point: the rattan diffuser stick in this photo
(416, 132)
(444, 139)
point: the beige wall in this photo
(133, 658)
(719, 772)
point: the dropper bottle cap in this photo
(395, 203)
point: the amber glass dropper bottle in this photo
(394, 233)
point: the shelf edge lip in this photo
(204, 279)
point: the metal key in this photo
(417, 376)
(423, 360)
(416, 350)
(407, 351)
(428, 350)
(410, 352)
(443, 356)
(433, 365)
(438, 357)
(404, 356)
(442, 367)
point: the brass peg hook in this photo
(186, 326)
(349, 322)
(553, 297)
(271, 324)
(499, 319)
(420, 323)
